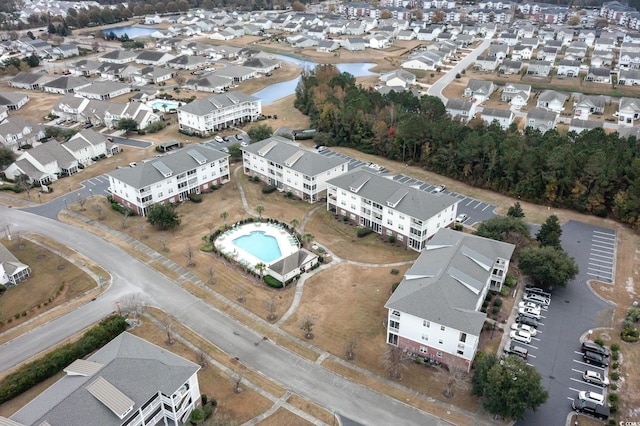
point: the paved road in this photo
(131, 142)
(131, 276)
(438, 86)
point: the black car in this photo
(594, 347)
(225, 138)
(523, 319)
(591, 408)
(595, 359)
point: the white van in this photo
(536, 298)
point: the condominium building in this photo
(205, 116)
(170, 178)
(291, 167)
(390, 208)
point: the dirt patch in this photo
(311, 408)
(282, 416)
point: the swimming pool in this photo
(257, 243)
(163, 105)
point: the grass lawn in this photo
(53, 281)
(283, 416)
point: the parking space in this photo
(577, 383)
(602, 255)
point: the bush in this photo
(615, 347)
(196, 198)
(395, 272)
(615, 375)
(34, 372)
(3, 288)
(599, 342)
(256, 179)
(504, 291)
(613, 408)
(272, 282)
(615, 356)
(213, 187)
(613, 397)
(510, 281)
(345, 219)
(497, 302)
(495, 309)
(289, 194)
(630, 335)
(394, 286)
(363, 232)
(615, 365)
(392, 239)
(457, 75)
(268, 189)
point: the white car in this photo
(531, 305)
(462, 217)
(596, 398)
(244, 144)
(520, 336)
(524, 327)
(595, 378)
(439, 188)
(219, 139)
(537, 298)
(533, 313)
(375, 166)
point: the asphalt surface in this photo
(289, 370)
(137, 143)
(573, 311)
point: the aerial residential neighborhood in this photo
(364, 213)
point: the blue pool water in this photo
(264, 247)
(164, 105)
(129, 30)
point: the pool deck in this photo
(287, 242)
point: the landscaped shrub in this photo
(497, 302)
(213, 187)
(363, 232)
(268, 189)
(495, 309)
(392, 239)
(345, 219)
(615, 375)
(289, 194)
(3, 288)
(613, 397)
(615, 356)
(599, 342)
(256, 179)
(613, 386)
(615, 365)
(395, 272)
(504, 291)
(272, 282)
(615, 347)
(196, 198)
(34, 372)
(510, 281)
(613, 408)
(394, 286)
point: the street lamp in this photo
(118, 306)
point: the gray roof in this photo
(51, 151)
(446, 282)
(103, 87)
(551, 95)
(120, 54)
(132, 365)
(84, 138)
(282, 151)
(150, 55)
(179, 161)
(9, 261)
(541, 114)
(223, 100)
(67, 82)
(234, 71)
(31, 77)
(416, 203)
(459, 105)
(292, 262)
(11, 98)
(512, 64)
(480, 85)
(585, 124)
(600, 72)
(593, 100)
(496, 112)
(569, 63)
(188, 60)
(629, 73)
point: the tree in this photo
(163, 216)
(515, 210)
(457, 372)
(509, 387)
(393, 360)
(307, 238)
(224, 216)
(260, 267)
(167, 326)
(297, 6)
(133, 304)
(550, 232)
(294, 223)
(197, 416)
(127, 124)
(602, 23)
(500, 227)
(307, 326)
(385, 14)
(83, 19)
(259, 210)
(235, 151)
(547, 266)
(574, 20)
(418, 14)
(188, 253)
(260, 132)
(6, 156)
(438, 17)
(350, 346)
(271, 306)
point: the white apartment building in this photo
(169, 178)
(205, 116)
(435, 311)
(291, 167)
(129, 382)
(390, 208)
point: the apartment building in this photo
(169, 178)
(292, 168)
(390, 208)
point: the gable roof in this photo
(446, 283)
(292, 262)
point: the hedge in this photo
(34, 372)
(196, 198)
(272, 282)
(268, 189)
(363, 232)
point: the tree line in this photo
(593, 172)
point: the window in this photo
(425, 337)
(353, 216)
(389, 232)
(389, 222)
(396, 313)
(442, 328)
(463, 337)
(394, 324)
(393, 339)
(426, 323)
(401, 227)
(440, 341)
(439, 354)
(400, 237)
(460, 352)
(423, 350)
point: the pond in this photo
(281, 90)
(129, 30)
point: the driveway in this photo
(289, 370)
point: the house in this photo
(87, 145)
(423, 60)
(435, 312)
(503, 117)
(12, 100)
(103, 90)
(605, 42)
(486, 63)
(428, 34)
(152, 75)
(587, 105)
(292, 168)
(118, 56)
(85, 68)
(110, 113)
(602, 58)
(205, 116)
(479, 90)
(12, 271)
(516, 94)
(110, 71)
(461, 110)
(327, 46)
(30, 80)
(63, 51)
(406, 35)
(43, 164)
(541, 119)
(128, 381)
(587, 36)
(354, 44)
(629, 56)
(509, 39)
(577, 125)
(575, 54)
(398, 78)
(237, 73)
(262, 65)
(209, 83)
(66, 84)
(153, 57)
(356, 27)
(628, 111)
(290, 266)
(539, 68)
(390, 208)
(552, 101)
(521, 52)
(531, 42)
(568, 68)
(547, 54)
(510, 67)
(16, 133)
(379, 41)
(629, 77)
(170, 178)
(598, 75)
(498, 51)
(187, 62)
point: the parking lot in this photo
(223, 145)
(353, 163)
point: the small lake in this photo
(129, 30)
(281, 90)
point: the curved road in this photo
(132, 276)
